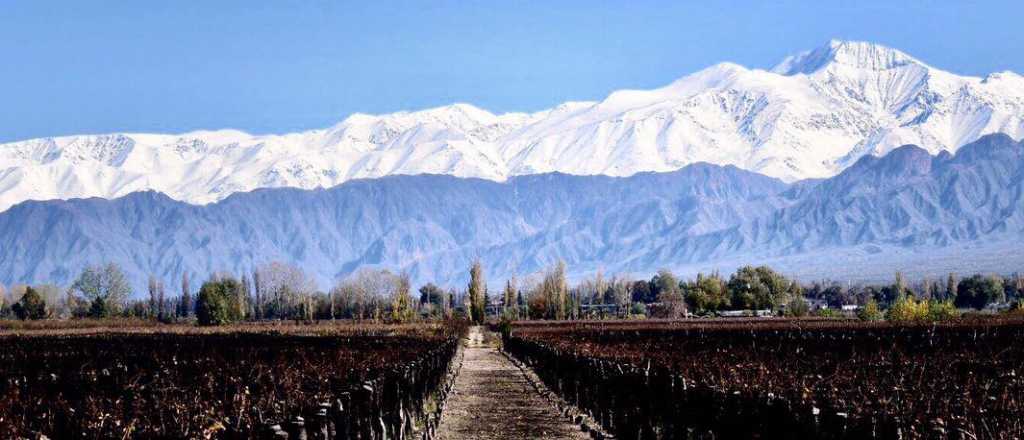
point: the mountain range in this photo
(906, 210)
(812, 116)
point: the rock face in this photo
(433, 226)
(812, 116)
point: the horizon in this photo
(285, 70)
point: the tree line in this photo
(280, 291)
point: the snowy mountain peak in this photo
(856, 54)
(815, 115)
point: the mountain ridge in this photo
(813, 115)
(907, 205)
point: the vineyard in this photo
(785, 378)
(345, 381)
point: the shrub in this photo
(828, 313)
(941, 310)
(638, 309)
(905, 308)
(798, 306)
(870, 311)
(908, 309)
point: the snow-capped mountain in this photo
(908, 210)
(811, 116)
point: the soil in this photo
(492, 399)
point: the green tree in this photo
(906, 308)
(98, 308)
(708, 293)
(215, 304)
(476, 293)
(759, 288)
(978, 291)
(431, 294)
(941, 310)
(870, 311)
(30, 306)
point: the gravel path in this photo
(493, 400)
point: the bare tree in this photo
(153, 305)
(555, 291)
(620, 293)
(161, 302)
(366, 293)
(106, 287)
(285, 290)
(258, 297)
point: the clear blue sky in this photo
(101, 66)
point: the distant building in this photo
(816, 304)
(745, 313)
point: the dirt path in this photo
(492, 399)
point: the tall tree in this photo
(508, 299)
(257, 288)
(154, 309)
(161, 301)
(951, 287)
(243, 302)
(900, 285)
(401, 302)
(554, 291)
(186, 296)
(476, 292)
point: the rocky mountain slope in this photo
(907, 202)
(812, 116)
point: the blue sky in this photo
(278, 66)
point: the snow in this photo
(811, 116)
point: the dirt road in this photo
(492, 399)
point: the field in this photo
(345, 381)
(785, 379)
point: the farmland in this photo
(344, 381)
(635, 379)
(785, 378)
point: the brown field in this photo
(124, 380)
(786, 378)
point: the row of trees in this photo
(976, 291)
(283, 291)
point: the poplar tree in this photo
(476, 292)
(186, 296)
(509, 298)
(951, 287)
(154, 308)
